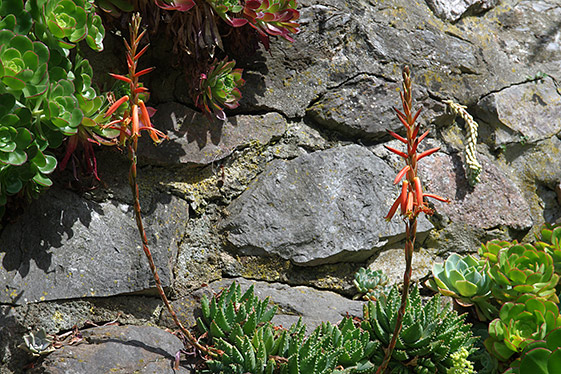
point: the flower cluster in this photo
(411, 198)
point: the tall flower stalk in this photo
(411, 199)
(133, 118)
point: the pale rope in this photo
(473, 166)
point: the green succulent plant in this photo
(465, 280)
(461, 363)
(38, 343)
(521, 269)
(219, 88)
(23, 65)
(520, 322)
(233, 314)
(540, 356)
(549, 240)
(490, 250)
(431, 333)
(370, 283)
(45, 91)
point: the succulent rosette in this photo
(490, 250)
(14, 17)
(549, 240)
(522, 269)
(465, 280)
(540, 356)
(66, 19)
(63, 110)
(371, 283)
(220, 88)
(527, 319)
(23, 65)
(272, 17)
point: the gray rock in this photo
(195, 139)
(116, 349)
(313, 306)
(495, 201)
(392, 263)
(453, 10)
(324, 207)
(337, 44)
(534, 117)
(64, 247)
(362, 108)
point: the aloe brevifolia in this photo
(411, 199)
(133, 118)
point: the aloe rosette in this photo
(522, 269)
(431, 332)
(540, 356)
(527, 319)
(220, 88)
(23, 65)
(465, 280)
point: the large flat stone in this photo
(294, 302)
(117, 349)
(196, 139)
(324, 207)
(65, 247)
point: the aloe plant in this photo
(520, 269)
(540, 356)
(465, 279)
(233, 314)
(431, 333)
(520, 322)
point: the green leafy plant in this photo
(431, 333)
(521, 269)
(540, 356)
(520, 322)
(411, 199)
(465, 279)
(370, 283)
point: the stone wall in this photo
(290, 192)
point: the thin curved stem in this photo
(138, 216)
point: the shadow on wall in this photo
(47, 222)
